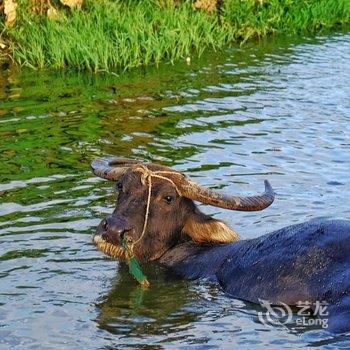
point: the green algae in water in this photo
(30, 253)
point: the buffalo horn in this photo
(111, 168)
(204, 195)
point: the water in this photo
(279, 109)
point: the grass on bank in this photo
(107, 33)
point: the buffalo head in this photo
(155, 209)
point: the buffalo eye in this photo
(119, 186)
(168, 199)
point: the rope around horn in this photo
(127, 243)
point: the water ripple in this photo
(278, 109)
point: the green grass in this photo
(247, 19)
(107, 33)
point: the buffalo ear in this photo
(204, 229)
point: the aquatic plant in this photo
(250, 18)
(106, 33)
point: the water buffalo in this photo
(307, 262)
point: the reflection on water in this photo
(278, 109)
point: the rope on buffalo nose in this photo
(127, 243)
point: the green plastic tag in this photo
(134, 266)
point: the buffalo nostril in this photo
(104, 225)
(121, 233)
(115, 225)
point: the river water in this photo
(278, 109)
